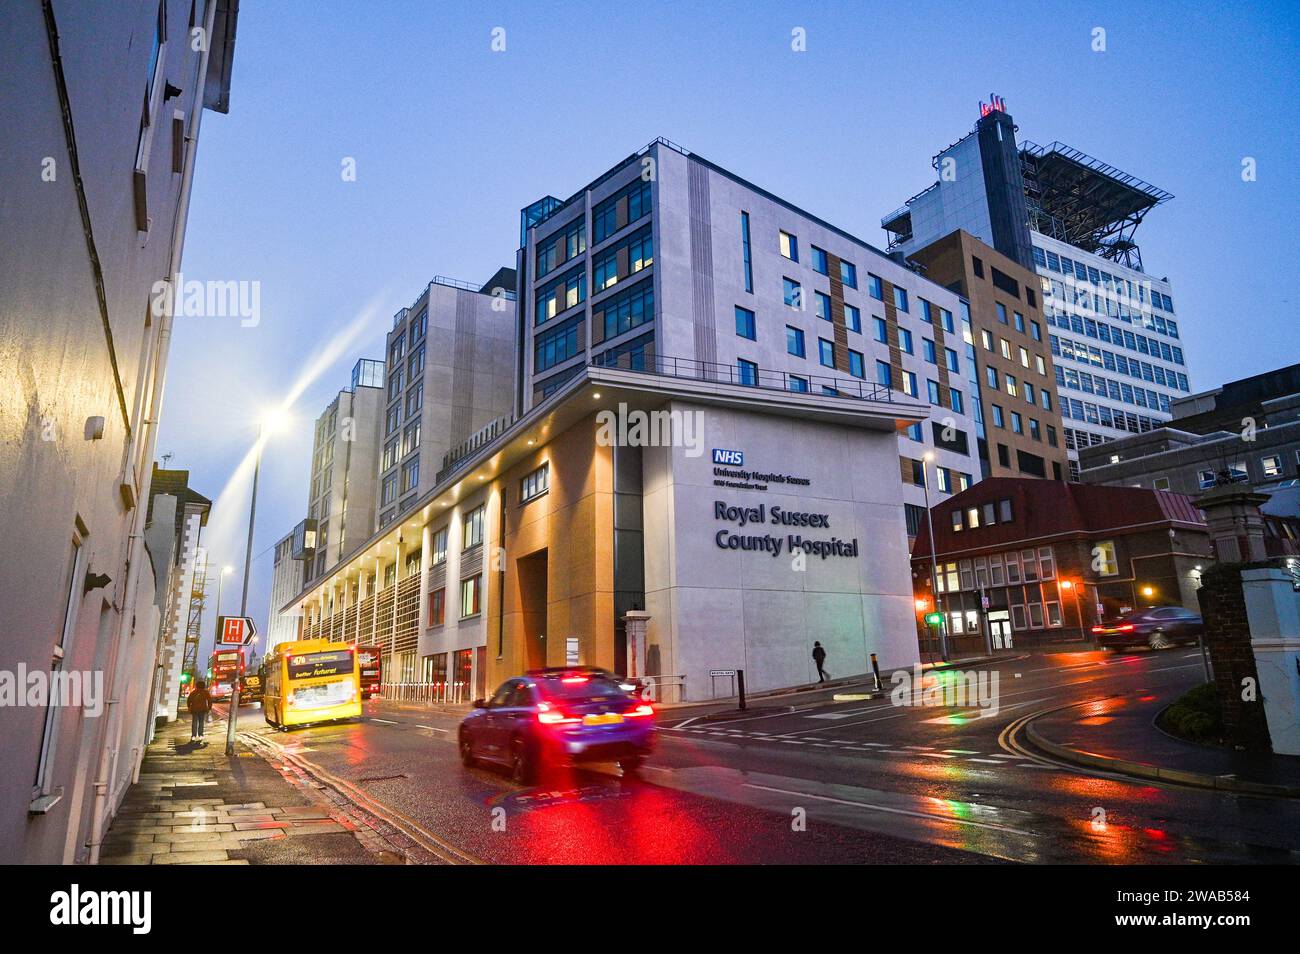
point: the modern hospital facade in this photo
(721, 414)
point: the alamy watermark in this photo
(40, 688)
(632, 427)
(947, 688)
(210, 299)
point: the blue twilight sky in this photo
(451, 139)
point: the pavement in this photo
(194, 805)
(1119, 734)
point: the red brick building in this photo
(1024, 562)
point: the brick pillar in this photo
(1227, 638)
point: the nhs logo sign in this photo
(729, 458)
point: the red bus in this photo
(224, 667)
(369, 659)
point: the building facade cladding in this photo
(1019, 411)
(1052, 558)
(286, 582)
(88, 115)
(451, 359)
(703, 272)
(345, 465)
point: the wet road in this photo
(822, 782)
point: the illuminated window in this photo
(471, 594)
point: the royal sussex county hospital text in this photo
(775, 545)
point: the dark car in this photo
(1158, 627)
(549, 716)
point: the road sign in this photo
(235, 630)
(984, 602)
(722, 672)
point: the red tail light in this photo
(1099, 629)
(1126, 628)
(644, 709)
(548, 716)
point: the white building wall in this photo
(714, 608)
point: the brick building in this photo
(1049, 556)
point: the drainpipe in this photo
(106, 772)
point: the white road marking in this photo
(431, 728)
(384, 721)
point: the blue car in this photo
(574, 714)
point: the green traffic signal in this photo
(934, 619)
(185, 677)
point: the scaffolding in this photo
(1085, 202)
(194, 619)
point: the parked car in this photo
(550, 716)
(1158, 627)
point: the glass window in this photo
(438, 607)
(857, 364)
(1104, 561)
(746, 252)
(794, 341)
(822, 304)
(471, 595)
(472, 534)
(789, 246)
(793, 293)
(900, 298)
(535, 484)
(849, 274)
(819, 260)
(853, 318)
(745, 326)
(440, 546)
(748, 372)
(826, 352)
(875, 287)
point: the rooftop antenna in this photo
(166, 458)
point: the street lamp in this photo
(273, 420)
(926, 458)
(221, 578)
(1078, 608)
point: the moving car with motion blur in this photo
(563, 714)
(1158, 627)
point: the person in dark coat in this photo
(819, 657)
(199, 704)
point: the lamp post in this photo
(934, 564)
(1078, 609)
(271, 422)
(221, 578)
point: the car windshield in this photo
(579, 687)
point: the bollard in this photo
(740, 686)
(875, 669)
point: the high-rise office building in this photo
(286, 582)
(1071, 219)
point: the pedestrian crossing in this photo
(938, 753)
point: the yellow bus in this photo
(313, 680)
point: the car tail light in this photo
(569, 680)
(644, 709)
(1099, 629)
(549, 716)
(1126, 628)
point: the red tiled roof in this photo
(1043, 508)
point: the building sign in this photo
(732, 477)
(762, 516)
(728, 458)
(314, 665)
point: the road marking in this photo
(893, 811)
(431, 728)
(962, 751)
(384, 721)
(984, 714)
(684, 723)
(830, 715)
(988, 761)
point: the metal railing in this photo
(431, 693)
(695, 370)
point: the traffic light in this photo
(185, 677)
(934, 619)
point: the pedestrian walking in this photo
(199, 704)
(819, 657)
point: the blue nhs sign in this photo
(731, 458)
